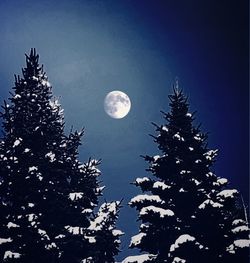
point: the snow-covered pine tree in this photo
(188, 214)
(103, 234)
(47, 195)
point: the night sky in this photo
(90, 48)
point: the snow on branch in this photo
(5, 240)
(33, 168)
(220, 182)
(210, 155)
(198, 137)
(178, 137)
(43, 234)
(139, 180)
(136, 240)
(139, 259)
(10, 254)
(239, 229)
(237, 222)
(145, 183)
(51, 156)
(76, 196)
(90, 168)
(140, 199)
(12, 225)
(106, 211)
(54, 104)
(161, 185)
(156, 210)
(117, 232)
(17, 142)
(182, 239)
(230, 193)
(179, 260)
(238, 244)
(75, 230)
(210, 202)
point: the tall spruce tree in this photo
(47, 196)
(188, 214)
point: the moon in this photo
(117, 104)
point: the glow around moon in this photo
(117, 104)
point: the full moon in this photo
(117, 104)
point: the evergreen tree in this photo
(103, 234)
(188, 214)
(47, 196)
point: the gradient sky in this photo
(90, 48)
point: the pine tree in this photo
(188, 214)
(103, 234)
(47, 196)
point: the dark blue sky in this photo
(89, 48)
